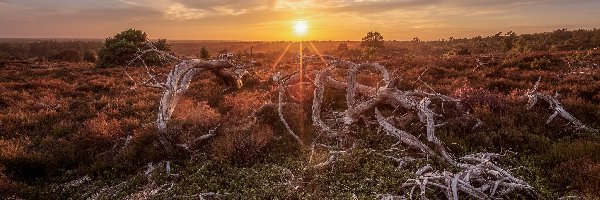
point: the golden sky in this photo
(275, 19)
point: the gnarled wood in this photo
(533, 96)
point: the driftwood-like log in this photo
(534, 95)
(477, 177)
(178, 80)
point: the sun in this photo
(300, 27)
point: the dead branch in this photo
(478, 178)
(533, 96)
(178, 80)
(406, 138)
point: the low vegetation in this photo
(76, 130)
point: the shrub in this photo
(372, 39)
(579, 174)
(204, 54)
(122, 48)
(462, 51)
(540, 63)
(90, 56)
(503, 85)
(342, 47)
(305, 51)
(368, 53)
(242, 148)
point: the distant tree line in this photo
(49, 50)
(558, 40)
(120, 48)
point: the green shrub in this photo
(122, 48)
(204, 54)
(90, 56)
(368, 53)
(540, 63)
(372, 40)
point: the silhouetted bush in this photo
(123, 47)
(373, 40)
(342, 47)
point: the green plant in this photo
(204, 54)
(122, 48)
(90, 56)
(373, 40)
(540, 63)
(368, 53)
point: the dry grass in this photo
(63, 117)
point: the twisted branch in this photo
(533, 96)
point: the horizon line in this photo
(3, 39)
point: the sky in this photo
(271, 20)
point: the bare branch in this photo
(533, 96)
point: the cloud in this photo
(229, 11)
(183, 10)
(179, 12)
(230, 4)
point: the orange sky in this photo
(274, 19)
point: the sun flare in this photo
(300, 27)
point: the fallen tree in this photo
(177, 82)
(477, 175)
(534, 95)
(473, 175)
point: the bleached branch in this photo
(533, 96)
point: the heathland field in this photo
(290, 129)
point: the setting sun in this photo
(300, 27)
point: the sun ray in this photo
(301, 57)
(281, 56)
(318, 53)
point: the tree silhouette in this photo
(122, 48)
(373, 39)
(342, 47)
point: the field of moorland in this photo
(71, 130)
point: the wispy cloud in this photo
(179, 12)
